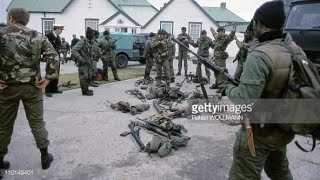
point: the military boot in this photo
(4, 164)
(116, 77)
(87, 93)
(178, 74)
(46, 158)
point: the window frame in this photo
(42, 24)
(91, 19)
(191, 34)
(168, 22)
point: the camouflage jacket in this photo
(65, 46)
(85, 51)
(20, 52)
(203, 45)
(160, 49)
(107, 47)
(172, 48)
(243, 49)
(221, 44)
(257, 73)
(184, 38)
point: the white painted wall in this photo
(181, 12)
(74, 16)
(141, 14)
(126, 23)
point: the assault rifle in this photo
(135, 134)
(211, 65)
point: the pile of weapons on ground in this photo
(166, 134)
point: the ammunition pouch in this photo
(165, 149)
(151, 96)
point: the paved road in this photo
(85, 141)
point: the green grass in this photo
(124, 74)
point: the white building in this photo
(131, 16)
(77, 15)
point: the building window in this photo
(92, 23)
(124, 30)
(134, 31)
(194, 30)
(223, 23)
(47, 25)
(167, 26)
(117, 29)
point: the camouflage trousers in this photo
(159, 65)
(219, 77)
(171, 58)
(93, 68)
(106, 64)
(85, 75)
(183, 55)
(149, 65)
(239, 69)
(199, 70)
(64, 55)
(272, 158)
(32, 100)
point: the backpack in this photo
(303, 83)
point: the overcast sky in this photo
(243, 8)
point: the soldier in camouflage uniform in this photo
(108, 46)
(265, 75)
(172, 53)
(221, 42)
(203, 44)
(159, 47)
(148, 56)
(65, 49)
(95, 60)
(20, 80)
(183, 52)
(84, 52)
(243, 50)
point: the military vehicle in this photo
(130, 47)
(303, 23)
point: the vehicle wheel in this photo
(121, 61)
(142, 61)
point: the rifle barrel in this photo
(211, 65)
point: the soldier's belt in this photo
(13, 83)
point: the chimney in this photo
(223, 5)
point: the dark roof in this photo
(120, 11)
(50, 6)
(167, 4)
